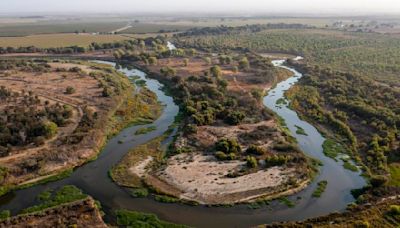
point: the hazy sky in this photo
(256, 6)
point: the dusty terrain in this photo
(82, 213)
(203, 179)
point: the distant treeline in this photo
(220, 30)
(126, 44)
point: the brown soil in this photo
(82, 213)
(203, 179)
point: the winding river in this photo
(93, 177)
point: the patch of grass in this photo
(287, 202)
(138, 219)
(166, 199)
(66, 194)
(258, 204)
(139, 192)
(300, 130)
(140, 83)
(394, 170)
(347, 165)
(52, 178)
(4, 214)
(281, 101)
(46, 195)
(331, 148)
(321, 186)
(145, 130)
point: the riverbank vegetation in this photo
(354, 93)
(139, 219)
(321, 186)
(48, 131)
(380, 214)
(349, 91)
(67, 206)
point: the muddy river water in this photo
(93, 177)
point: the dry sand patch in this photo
(202, 178)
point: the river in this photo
(93, 177)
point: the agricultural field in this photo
(59, 40)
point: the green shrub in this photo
(138, 219)
(4, 214)
(50, 129)
(234, 118)
(244, 64)
(70, 90)
(228, 146)
(139, 192)
(166, 199)
(220, 155)
(251, 162)
(277, 160)
(378, 180)
(216, 71)
(394, 209)
(321, 186)
(153, 61)
(190, 129)
(256, 150)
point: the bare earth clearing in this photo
(203, 179)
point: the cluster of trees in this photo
(26, 120)
(366, 113)
(277, 160)
(374, 55)
(227, 149)
(31, 49)
(228, 30)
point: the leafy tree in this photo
(251, 162)
(216, 71)
(207, 60)
(256, 150)
(153, 60)
(234, 117)
(244, 64)
(50, 129)
(228, 146)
